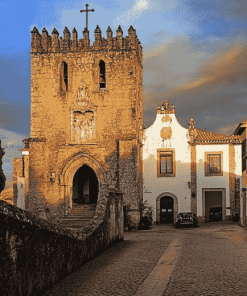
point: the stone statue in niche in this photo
(81, 94)
(83, 126)
(77, 123)
(87, 126)
(83, 115)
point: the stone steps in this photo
(79, 217)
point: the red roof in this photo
(210, 137)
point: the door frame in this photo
(167, 201)
(175, 206)
(223, 192)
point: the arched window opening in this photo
(64, 77)
(102, 82)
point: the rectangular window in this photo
(166, 166)
(213, 164)
(165, 162)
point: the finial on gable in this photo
(164, 109)
(191, 123)
(166, 105)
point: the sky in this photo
(194, 56)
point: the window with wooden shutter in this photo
(213, 164)
(166, 166)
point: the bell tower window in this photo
(64, 77)
(102, 82)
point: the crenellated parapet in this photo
(44, 43)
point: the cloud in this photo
(157, 49)
(12, 142)
(139, 8)
(210, 87)
(223, 67)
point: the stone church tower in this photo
(86, 120)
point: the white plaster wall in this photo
(214, 181)
(178, 185)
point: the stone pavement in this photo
(208, 260)
(121, 269)
(213, 261)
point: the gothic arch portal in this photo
(175, 205)
(69, 170)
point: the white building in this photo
(241, 131)
(189, 169)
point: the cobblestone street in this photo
(208, 260)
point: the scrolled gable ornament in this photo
(192, 131)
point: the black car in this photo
(186, 218)
(215, 214)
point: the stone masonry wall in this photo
(36, 254)
(118, 115)
(17, 172)
(193, 184)
(232, 178)
(129, 176)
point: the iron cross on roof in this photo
(87, 10)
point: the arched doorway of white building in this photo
(166, 208)
(85, 186)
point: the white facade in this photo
(166, 134)
(152, 140)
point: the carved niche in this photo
(83, 118)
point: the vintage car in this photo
(215, 214)
(186, 218)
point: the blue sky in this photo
(194, 52)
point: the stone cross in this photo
(87, 10)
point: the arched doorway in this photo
(166, 209)
(85, 186)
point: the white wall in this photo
(211, 181)
(178, 185)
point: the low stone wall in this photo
(35, 253)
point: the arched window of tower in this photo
(64, 77)
(102, 81)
